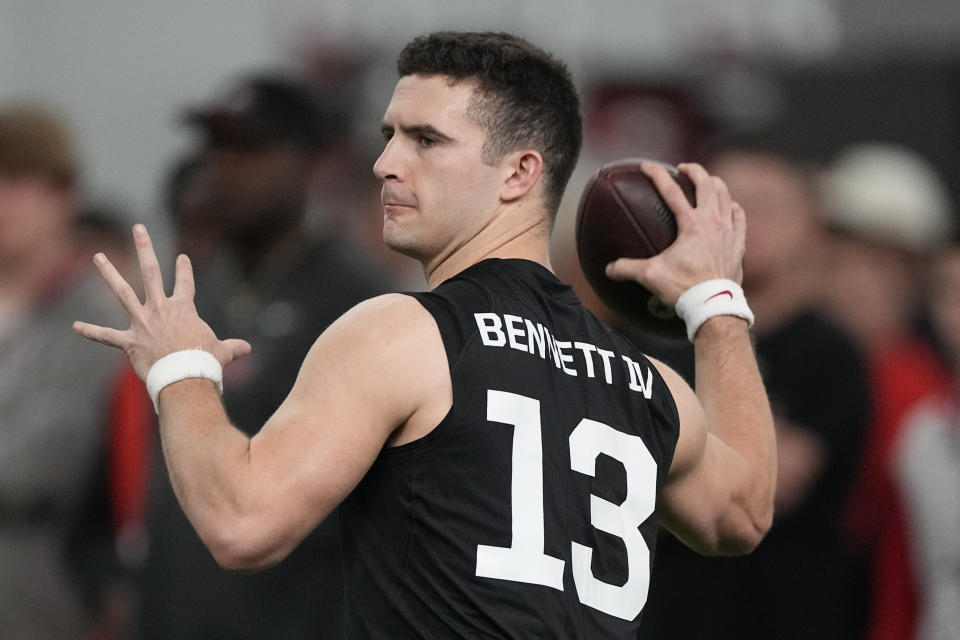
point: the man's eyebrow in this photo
(415, 129)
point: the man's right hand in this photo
(710, 237)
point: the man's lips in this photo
(396, 206)
(395, 201)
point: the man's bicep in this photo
(356, 386)
(693, 423)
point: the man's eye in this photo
(426, 141)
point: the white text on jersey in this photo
(573, 358)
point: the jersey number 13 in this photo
(524, 560)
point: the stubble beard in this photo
(403, 245)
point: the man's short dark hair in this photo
(525, 96)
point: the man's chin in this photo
(409, 249)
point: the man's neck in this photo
(527, 239)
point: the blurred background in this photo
(826, 71)
(835, 122)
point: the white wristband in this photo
(180, 365)
(712, 298)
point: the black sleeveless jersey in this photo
(528, 512)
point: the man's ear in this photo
(524, 169)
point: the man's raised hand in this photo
(710, 240)
(161, 324)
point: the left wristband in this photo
(181, 365)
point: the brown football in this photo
(622, 215)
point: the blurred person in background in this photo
(117, 498)
(68, 413)
(198, 233)
(803, 581)
(270, 150)
(102, 227)
(926, 468)
(887, 210)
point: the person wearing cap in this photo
(888, 210)
(60, 506)
(267, 150)
(927, 466)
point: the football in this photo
(622, 215)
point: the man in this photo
(498, 452)
(265, 146)
(63, 406)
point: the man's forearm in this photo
(207, 459)
(735, 402)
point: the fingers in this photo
(103, 335)
(723, 195)
(121, 289)
(669, 190)
(184, 284)
(232, 349)
(695, 171)
(712, 192)
(627, 269)
(739, 218)
(149, 265)
(740, 228)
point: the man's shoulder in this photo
(390, 333)
(395, 313)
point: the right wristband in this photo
(712, 298)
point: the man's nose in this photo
(387, 165)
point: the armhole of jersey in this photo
(667, 421)
(443, 310)
(445, 317)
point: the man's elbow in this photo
(243, 547)
(745, 533)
